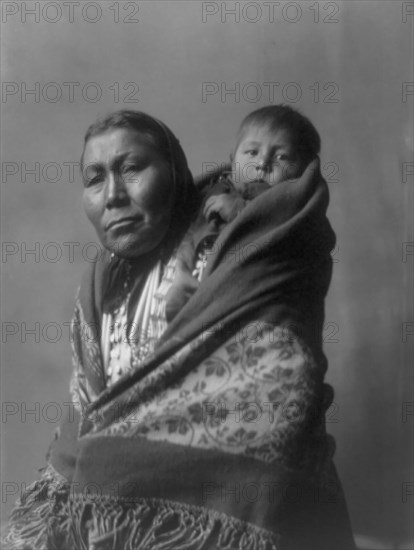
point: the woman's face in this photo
(128, 191)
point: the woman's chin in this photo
(131, 248)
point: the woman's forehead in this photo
(118, 141)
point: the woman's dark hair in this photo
(152, 129)
(303, 133)
(162, 138)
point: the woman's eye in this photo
(251, 152)
(94, 180)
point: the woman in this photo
(208, 432)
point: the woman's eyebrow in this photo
(115, 163)
(119, 159)
(128, 154)
(96, 166)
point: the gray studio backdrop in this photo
(201, 67)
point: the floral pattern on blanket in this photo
(254, 396)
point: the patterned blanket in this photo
(217, 439)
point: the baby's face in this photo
(264, 156)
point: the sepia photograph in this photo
(207, 275)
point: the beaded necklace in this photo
(125, 345)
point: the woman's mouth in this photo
(122, 222)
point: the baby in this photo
(273, 144)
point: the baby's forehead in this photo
(262, 133)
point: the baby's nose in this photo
(262, 165)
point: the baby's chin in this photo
(251, 189)
(240, 183)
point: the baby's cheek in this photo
(278, 175)
(293, 170)
(285, 171)
(247, 171)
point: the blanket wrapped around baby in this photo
(217, 440)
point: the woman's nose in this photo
(116, 194)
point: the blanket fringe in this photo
(108, 523)
(51, 517)
(28, 524)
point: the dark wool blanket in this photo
(217, 440)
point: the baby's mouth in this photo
(254, 188)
